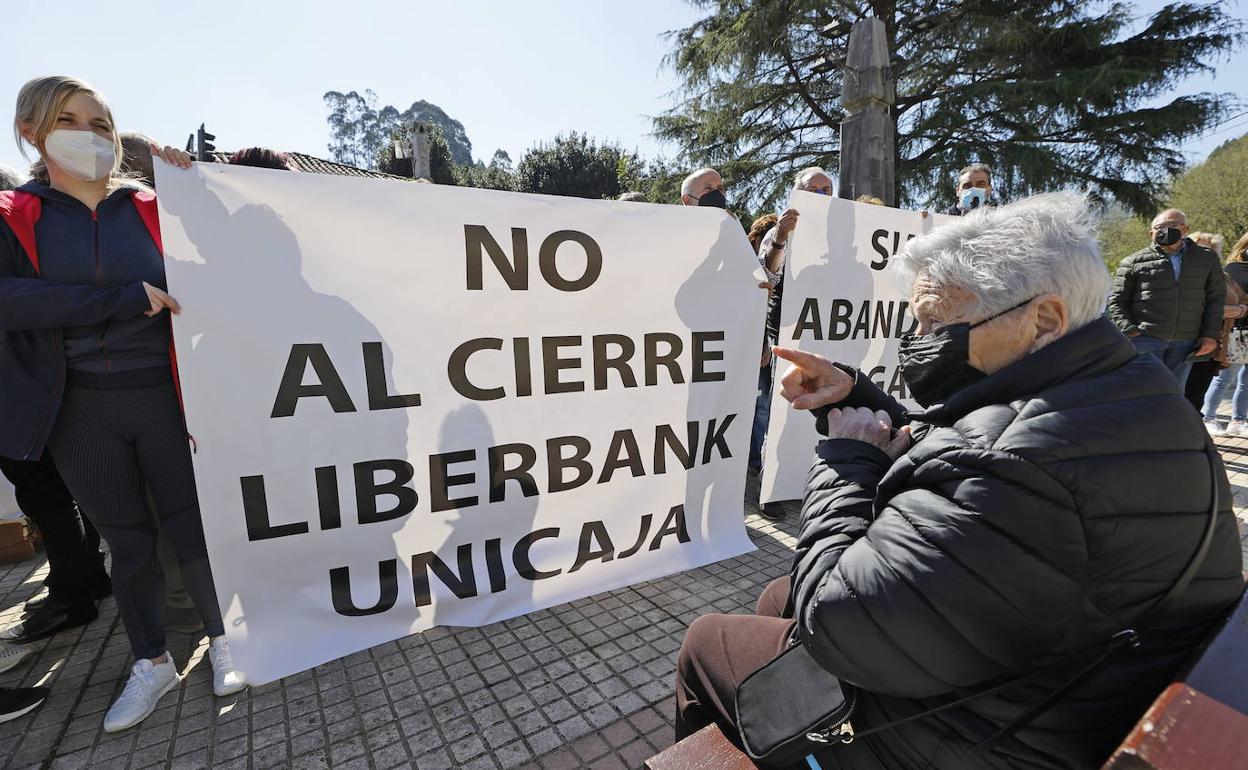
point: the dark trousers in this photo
(719, 652)
(762, 412)
(75, 565)
(113, 446)
(1198, 380)
(1172, 353)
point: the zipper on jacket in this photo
(99, 282)
(1178, 295)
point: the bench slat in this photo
(1184, 730)
(707, 749)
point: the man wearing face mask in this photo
(1168, 297)
(704, 187)
(974, 189)
(1056, 491)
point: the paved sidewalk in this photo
(586, 684)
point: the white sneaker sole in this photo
(17, 714)
(224, 691)
(177, 680)
(9, 662)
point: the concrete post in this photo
(868, 141)
(420, 152)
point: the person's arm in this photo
(774, 248)
(771, 257)
(819, 385)
(968, 572)
(1122, 296)
(28, 304)
(866, 394)
(1215, 301)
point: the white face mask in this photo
(84, 155)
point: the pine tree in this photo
(1051, 94)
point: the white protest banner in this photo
(839, 302)
(418, 405)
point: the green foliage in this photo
(491, 177)
(502, 160)
(1122, 234)
(1214, 195)
(359, 129)
(658, 180)
(1051, 93)
(575, 165)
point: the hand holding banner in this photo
(419, 405)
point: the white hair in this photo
(10, 179)
(1045, 244)
(687, 185)
(807, 173)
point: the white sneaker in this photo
(1236, 428)
(1215, 428)
(12, 654)
(148, 681)
(226, 680)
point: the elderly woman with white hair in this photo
(1008, 577)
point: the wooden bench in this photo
(1199, 722)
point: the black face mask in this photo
(714, 198)
(1167, 237)
(937, 365)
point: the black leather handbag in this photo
(792, 707)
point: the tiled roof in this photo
(315, 165)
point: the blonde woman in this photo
(86, 368)
(1235, 375)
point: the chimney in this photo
(420, 152)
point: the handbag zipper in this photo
(844, 733)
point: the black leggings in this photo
(111, 446)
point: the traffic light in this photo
(203, 144)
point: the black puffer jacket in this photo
(1039, 512)
(1146, 298)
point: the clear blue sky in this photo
(512, 73)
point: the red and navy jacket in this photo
(77, 306)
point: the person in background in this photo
(1212, 241)
(760, 228)
(973, 190)
(873, 200)
(633, 196)
(136, 157)
(704, 187)
(76, 578)
(773, 250)
(1204, 370)
(1169, 297)
(10, 179)
(1235, 374)
(86, 370)
(1051, 494)
(263, 157)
